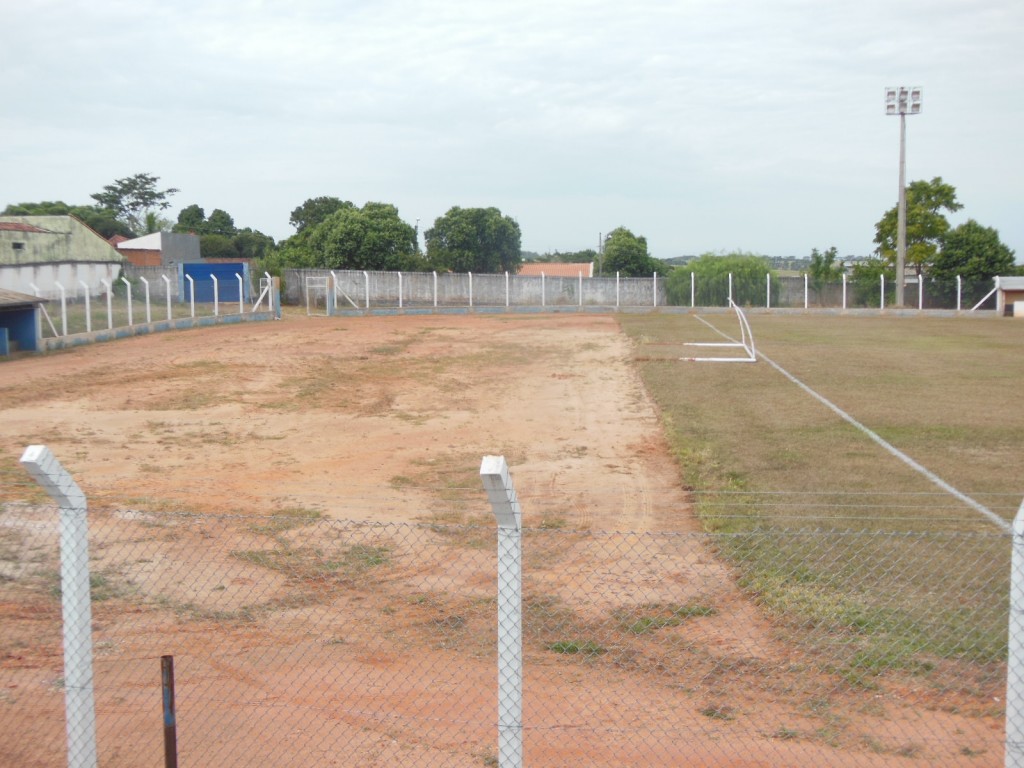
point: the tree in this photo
(220, 223)
(253, 244)
(372, 237)
(192, 219)
(474, 240)
(974, 253)
(626, 254)
(824, 270)
(926, 224)
(712, 279)
(132, 197)
(315, 210)
(217, 247)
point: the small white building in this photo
(1010, 296)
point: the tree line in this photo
(331, 233)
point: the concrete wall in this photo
(71, 275)
(483, 290)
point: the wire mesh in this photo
(303, 640)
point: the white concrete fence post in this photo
(502, 497)
(241, 296)
(88, 309)
(110, 303)
(149, 313)
(79, 704)
(191, 294)
(128, 287)
(63, 308)
(1015, 650)
(167, 289)
(216, 295)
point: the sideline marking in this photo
(927, 473)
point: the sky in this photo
(701, 125)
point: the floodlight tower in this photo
(902, 101)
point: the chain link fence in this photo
(301, 640)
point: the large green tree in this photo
(926, 223)
(626, 254)
(132, 197)
(102, 220)
(314, 211)
(372, 237)
(712, 276)
(191, 219)
(975, 254)
(474, 240)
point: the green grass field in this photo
(914, 574)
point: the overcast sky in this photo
(703, 125)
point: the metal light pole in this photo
(902, 101)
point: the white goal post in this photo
(746, 343)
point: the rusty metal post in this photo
(170, 720)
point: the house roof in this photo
(18, 226)
(1011, 283)
(557, 269)
(151, 242)
(15, 299)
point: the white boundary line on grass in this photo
(924, 471)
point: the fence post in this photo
(693, 289)
(844, 290)
(882, 305)
(543, 290)
(730, 290)
(655, 289)
(470, 289)
(241, 297)
(110, 303)
(959, 291)
(191, 293)
(768, 297)
(920, 292)
(63, 309)
(167, 288)
(502, 497)
(581, 288)
(216, 295)
(807, 292)
(149, 314)
(128, 286)
(366, 280)
(88, 309)
(435, 288)
(1015, 649)
(399, 290)
(79, 705)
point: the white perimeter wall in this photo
(45, 277)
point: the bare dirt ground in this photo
(387, 419)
